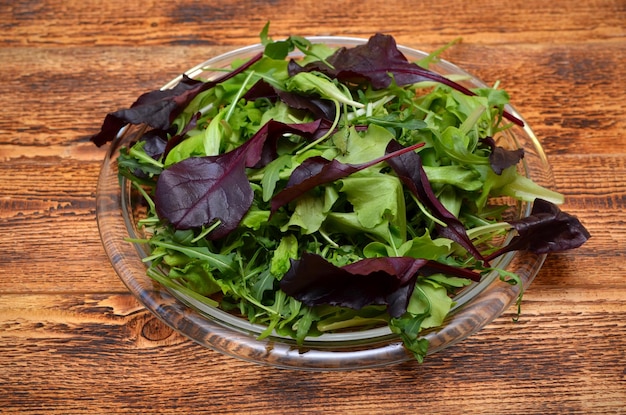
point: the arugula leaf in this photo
(408, 328)
(281, 48)
(309, 82)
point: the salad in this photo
(343, 189)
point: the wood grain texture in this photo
(226, 22)
(93, 341)
(74, 341)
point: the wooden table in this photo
(73, 340)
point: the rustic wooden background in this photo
(72, 340)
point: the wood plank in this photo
(230, 23)
(49, 238)
(110, 356)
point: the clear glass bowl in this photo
(118, 209)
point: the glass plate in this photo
(118, 209)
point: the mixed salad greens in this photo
(343, 190)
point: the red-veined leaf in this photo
(316, 171)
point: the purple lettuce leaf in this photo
(372, 281)
(373, 62)
(178, 138)
(382, 281)
(155, 142)
(316, 171)
(265, 140)
(199, 191)
(548, 229)
(319, 108)
(377, 61)
(409, 169)
(261, 89)
(159, 108)
(501, 158)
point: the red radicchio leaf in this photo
(198, 191)
(374, 61)
(501, 158)
(160, 107)
(548, 229)
(409, 169)
(382, 281)
(316, 171)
